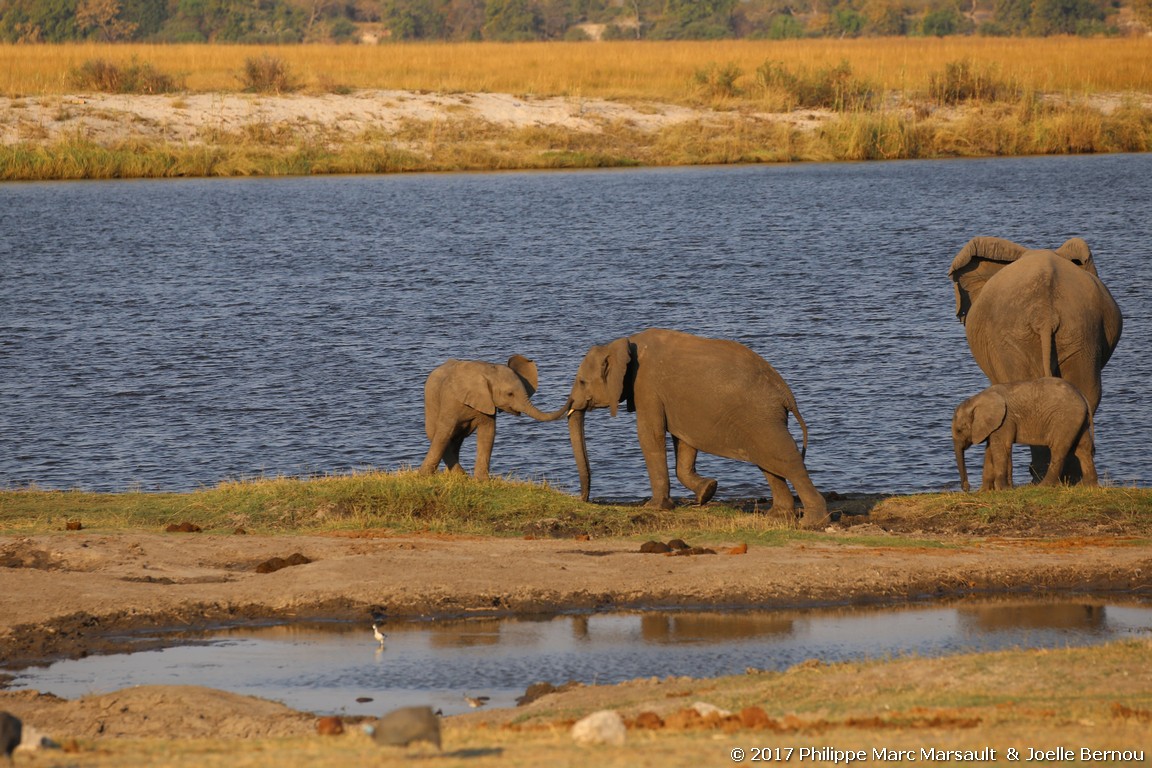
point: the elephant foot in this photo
(664, 503)
(816, 520)
(706, 492)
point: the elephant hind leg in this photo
(703, 487)
(783, 503)
(1084, 453)
(816, 515)
(1056, 464)
(438, 452)
(452, 452)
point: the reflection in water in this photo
(988, 618)
(697, 627)
(327, 667)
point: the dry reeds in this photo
(635, 70)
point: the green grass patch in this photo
(1028, 510)
(407, 502)
(403, 502)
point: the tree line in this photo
(301, 21)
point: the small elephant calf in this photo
(1049, 412)
(462, 397)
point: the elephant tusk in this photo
(570, 412)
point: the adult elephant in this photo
(1030, 313)
(461, 397)
(712, 395)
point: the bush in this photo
(104, 76)
(785, 26)
(961, 81)
(717, 81)
(267, 74)
(830, 88)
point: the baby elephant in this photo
(1049, 412)
(462, 397)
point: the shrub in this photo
(717, 81)
(267, 74)
(102, 75)
(961, 81)
(831, 88)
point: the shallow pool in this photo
(339, 668)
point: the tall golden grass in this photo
(616, 70)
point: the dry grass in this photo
(662, 71)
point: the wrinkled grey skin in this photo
(1031, 313)
(461, 397)
(712, 395)
(1049, 412)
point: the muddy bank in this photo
(77, 593)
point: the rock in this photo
(654, 547)
(690, 551)
(705, 709)
(603, 727)
(648, 720)
(184, 527)
(407, 725)
(538, 690)
(11, 730)
(271, 565)
(755, 717)
(34, 739)
(329, 726)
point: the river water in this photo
(167, 335)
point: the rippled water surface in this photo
(173, 334)
(327, 667)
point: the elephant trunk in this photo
(536, 413)
(580, 451)
(960, 448)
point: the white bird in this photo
(376, 633)
(476, 701)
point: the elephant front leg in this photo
(703, 487)
(651, 433)
(485, 438)
(997, 465)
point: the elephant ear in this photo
(988, 416)
(477, 390)
(1078, 252)
(613, 369)
(975, 265)
(526, 370)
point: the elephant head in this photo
(489, 387)
(973, 421)
(602, 381)
(983, 257)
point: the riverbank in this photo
(101, 136)
(75, 592)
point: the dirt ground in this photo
(203, 117)
(68, 594)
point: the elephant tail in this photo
(795, 409)
(1050, 361)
